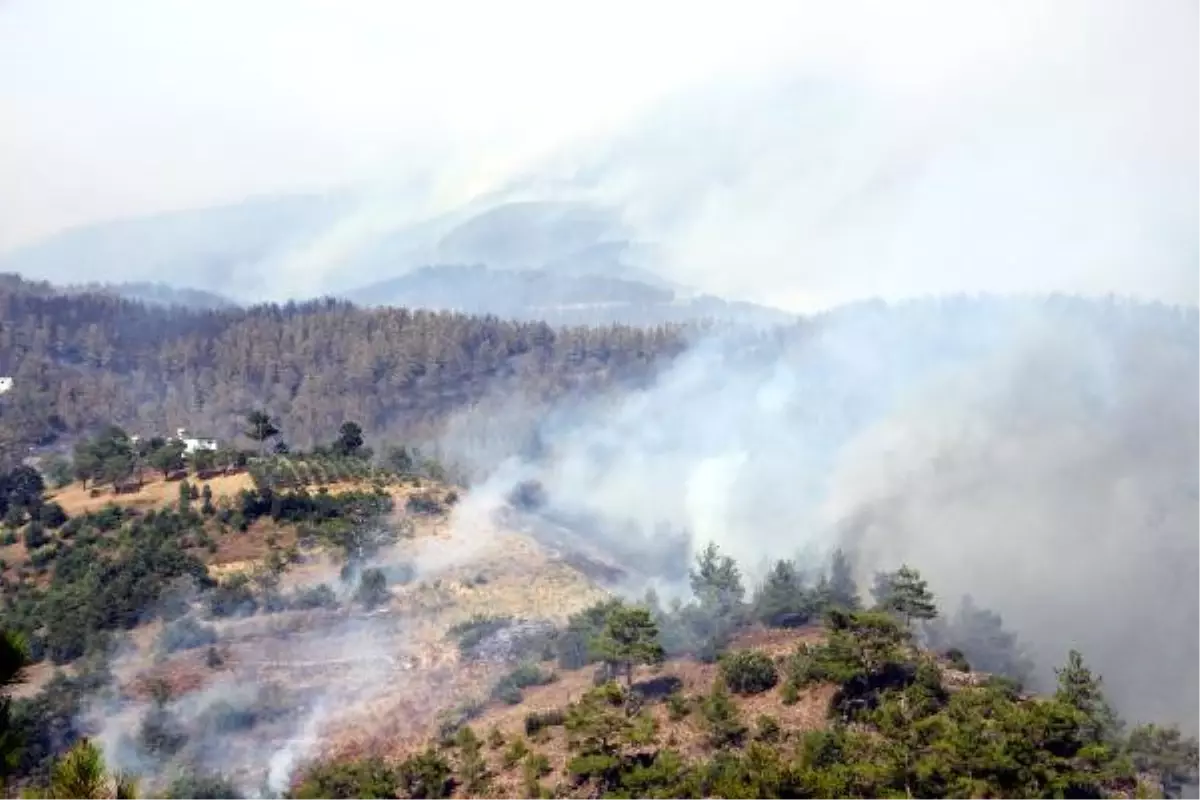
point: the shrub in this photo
(232, 597)
(186, 634)
(35, 536)
(202, 786)
(725, 728)
(749, 672)
(678, 706)
(422, 504)
(536, 721)
(453, 719)
(368, 778)
(52, 515)
(213, 659)
(495, 738)
(473, 632)
(956, 660)
(537, 764)
(372, 589)
(768, 729)
(515, 752)
(425, 775)
(507, 693)
(319, 596)
(508, 689)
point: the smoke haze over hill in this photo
(986, 214)
(800, 157)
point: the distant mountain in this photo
(557, 297)
(565, 262)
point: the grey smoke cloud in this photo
(801, 156)
(1040, 455)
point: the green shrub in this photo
(721, 718)
(471, 633)
(495, 738)
(515, 752)
(368, 778)
(35, 536)
(678, 706)
(539, 720)
(767, 728)
(956, 660)
(537, 765)
(52, 515)
(508, 689)
(749, 672)
(425, 775)
(186, 634)
(199, 785)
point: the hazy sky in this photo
(120, 107)
(131, 106)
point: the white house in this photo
(6, 383)
(193, 443)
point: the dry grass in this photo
(154, 494)
(404, 721)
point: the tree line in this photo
(83, 360)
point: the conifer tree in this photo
(843, 592)
(629, 637)
(906, 593)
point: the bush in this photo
(508, 689)
(749, 672)
(768, 729)
(35, 536)
(368, 778)
(678, 706)
(425, 775)
(232, 597)
(515, 752)
(422, 504)
(538, 720)
(52, 515)
(186, 634)
(319, 596)
(956, 660)
(473, 632)
(372, 589)
(202, 786)
(721, 718)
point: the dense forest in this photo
(82, 360)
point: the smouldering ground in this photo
(367, 681)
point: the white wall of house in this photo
(193, 443)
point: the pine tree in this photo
(716, 580)
(843, 592)
(1080, 689)
(260, 428)
(906, 593)
(782, 601)
(629, 637)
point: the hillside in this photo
(83, 360)
(558, 297)
(324, 624)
